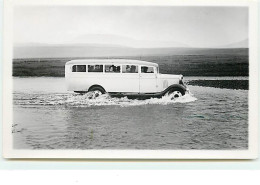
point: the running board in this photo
(142, 96)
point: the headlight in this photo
(181, 80)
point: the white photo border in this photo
(10, 152)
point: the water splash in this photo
(88, 99)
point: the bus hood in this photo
(168, 76)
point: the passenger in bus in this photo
(111, 68)
(132, 69)
(114, 68)
(118, 69)
(127, 69)
(144, 69)
(90, 68)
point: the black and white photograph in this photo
(130, 81)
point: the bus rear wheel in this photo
(97, 91)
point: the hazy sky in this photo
(194, 26)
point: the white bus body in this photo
(119, 76)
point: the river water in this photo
(46, 116)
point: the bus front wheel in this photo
(176, 92)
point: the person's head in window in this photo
(132, 70)
(144, 69)
(111, 68)
(127, 68)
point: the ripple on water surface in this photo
(88, 100)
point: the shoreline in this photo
(223, 84)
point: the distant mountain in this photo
(123, 41)
(106, 50)
(35, 44)
(112, 40)
(240, 44)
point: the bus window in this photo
(146, 69)
(129, 69)
(95, 68)
(79, 68)
(112, 68)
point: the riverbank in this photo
(226, 84)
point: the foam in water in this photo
(88, 99)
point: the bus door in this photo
(148, 79)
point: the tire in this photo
(97, 91)
(177, 92)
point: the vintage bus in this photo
(121, 77)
